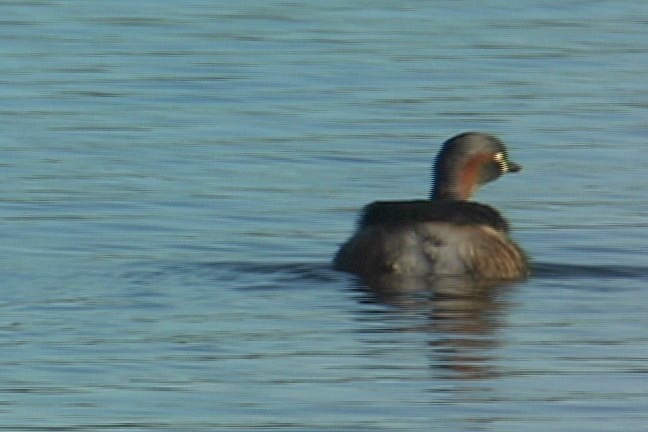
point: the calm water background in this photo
(177, 174)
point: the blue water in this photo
(177, 175)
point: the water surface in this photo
(177, 176)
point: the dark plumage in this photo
(456, 212)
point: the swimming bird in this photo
(446, 235)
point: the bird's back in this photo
(432, 238)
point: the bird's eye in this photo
(500, 158)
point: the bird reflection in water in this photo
(462, 318)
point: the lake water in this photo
(176, 176)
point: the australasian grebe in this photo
(447, 234)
